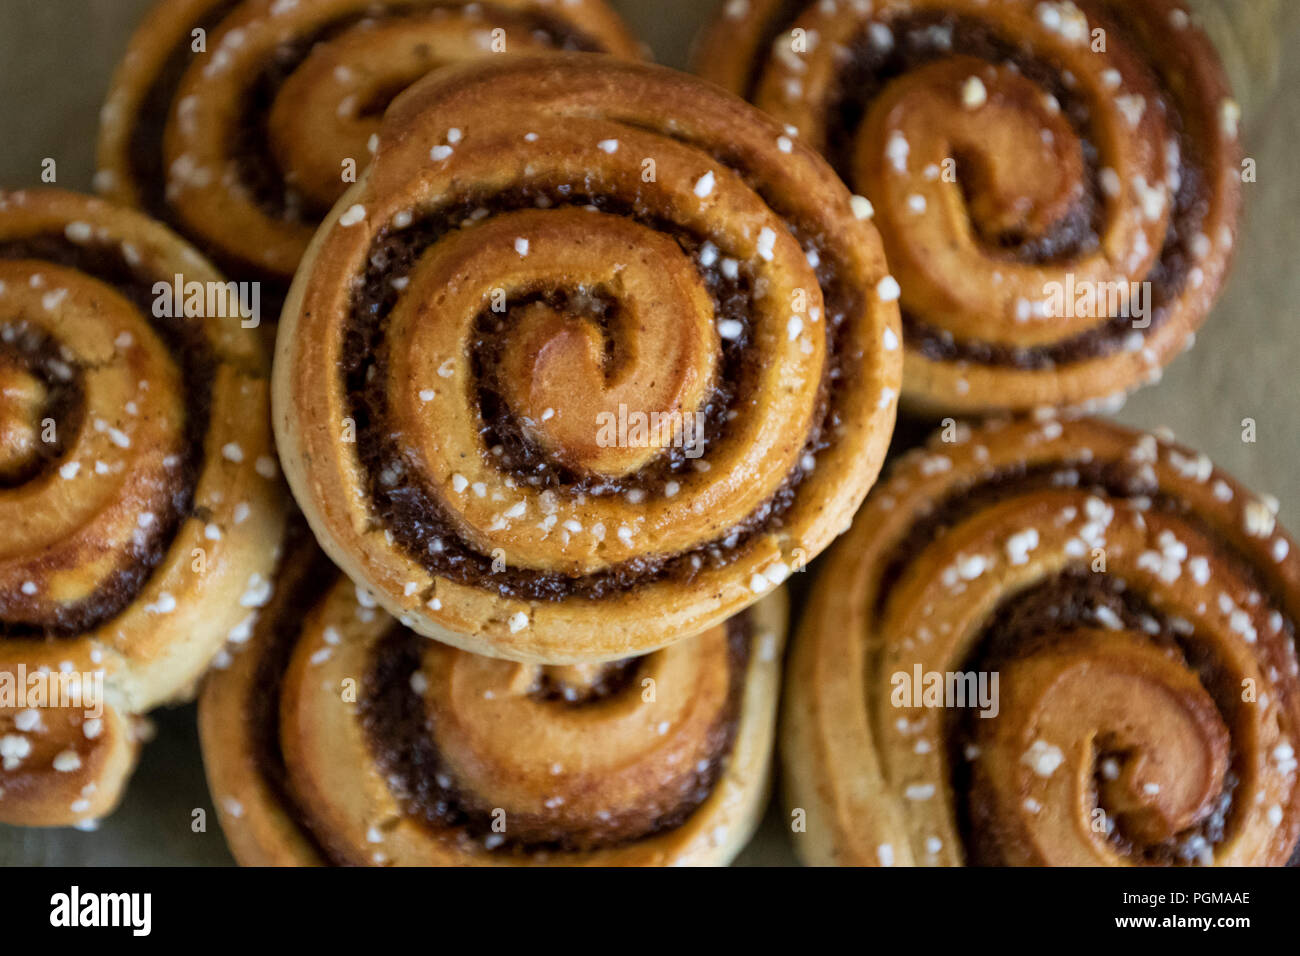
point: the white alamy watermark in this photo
(74, 908)
(637, 429)
(946, 689)
(21, 689)
(1085, 299)
(209, 300)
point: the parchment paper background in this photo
(56, 57)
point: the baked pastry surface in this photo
(244, 143)
(1057, 184)
(1137, 610)
(139, 495)
(336, 735)
(546, 255)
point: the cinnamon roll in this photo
(138, 492)
(1050, 643)
(1057, 184)
(336, 735)
(586, 363)
(240, 122)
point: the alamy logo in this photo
(21, 689)
(635, 429)
(74, 908)
(947, 689)
(1085, 299)
(209, 300)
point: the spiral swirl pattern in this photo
(544, 254)
(134, 489)
(338, 736)
(1132, 611)
(1057, 184)
(244, 143)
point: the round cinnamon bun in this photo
(240, 122)
(586, 363)
(336, 735)
(138, 492)
(1057, 184)
(1050, 643)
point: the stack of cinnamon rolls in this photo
(476, 537)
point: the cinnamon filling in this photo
(611, 679)
(186, 343)
(520, 457)
(32, 352)
(781, 19)
(1041, 615)
(404, 741)
(921, 38)
(1107, 479)
(257, 165)
(146, 153)
(258, 170)
(303, 576)
(925, 37)
(1038, 618)
(410, 510)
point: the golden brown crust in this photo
(534, 765)
(141, 502)
(253, 205)
(579, 565)
(68, 767)
(240, 755)
(1021, 157)
(1137, 608)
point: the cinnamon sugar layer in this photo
(412, 512)
(120, 588)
